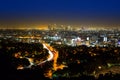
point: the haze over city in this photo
(40, 13)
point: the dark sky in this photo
(59, 11)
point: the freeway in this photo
(49, 59)
(51, 54)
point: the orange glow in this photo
(39, 26)
(42, 27)
(55, 65)
(30, 59)
(56, 55)
(20, 67)
(78, 61)
(16, 55)
(48, 74)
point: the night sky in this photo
(73, 12)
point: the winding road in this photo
(49, 59)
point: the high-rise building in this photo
(52, 26)
(105, 39)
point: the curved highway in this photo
(50, 58)
(51, 54)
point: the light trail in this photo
(30, 61)
(49, 59)
(51, 54)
